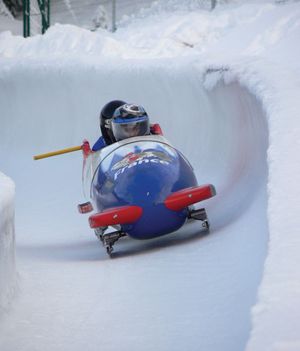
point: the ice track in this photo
(184, 291)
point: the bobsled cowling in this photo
(144, 175)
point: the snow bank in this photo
(7, 240)
(277, 312)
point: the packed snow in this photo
(7, 242)
(224, 85)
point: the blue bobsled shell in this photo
(143, 172)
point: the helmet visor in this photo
(122, 130)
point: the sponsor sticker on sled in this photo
(133, 160)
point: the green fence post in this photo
(113, 16)
(48, 14)
(26, 18)
(45, 14)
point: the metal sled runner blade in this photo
(189, 196)
(116, 215)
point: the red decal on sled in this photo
(116, 215)
(186, 197)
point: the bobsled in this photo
(141, 187)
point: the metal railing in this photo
(36, 13)
(41, 10)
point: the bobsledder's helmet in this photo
(130, 120)
(106, 115)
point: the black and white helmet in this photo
(106, 115)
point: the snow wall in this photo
(7, 241)
(215, 122)
(220, 127)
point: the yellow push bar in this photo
(58, 152)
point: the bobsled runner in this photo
(142, 187)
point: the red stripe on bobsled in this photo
(116, 215)
(186, 197)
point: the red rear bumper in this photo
(116, 215)
(186, 197)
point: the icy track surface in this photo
(182, 291)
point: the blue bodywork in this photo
(143, 172)
(99, 144)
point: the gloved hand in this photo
(155, 129)
(86, 149)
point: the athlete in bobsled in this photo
(118, 121)
(138, 182)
